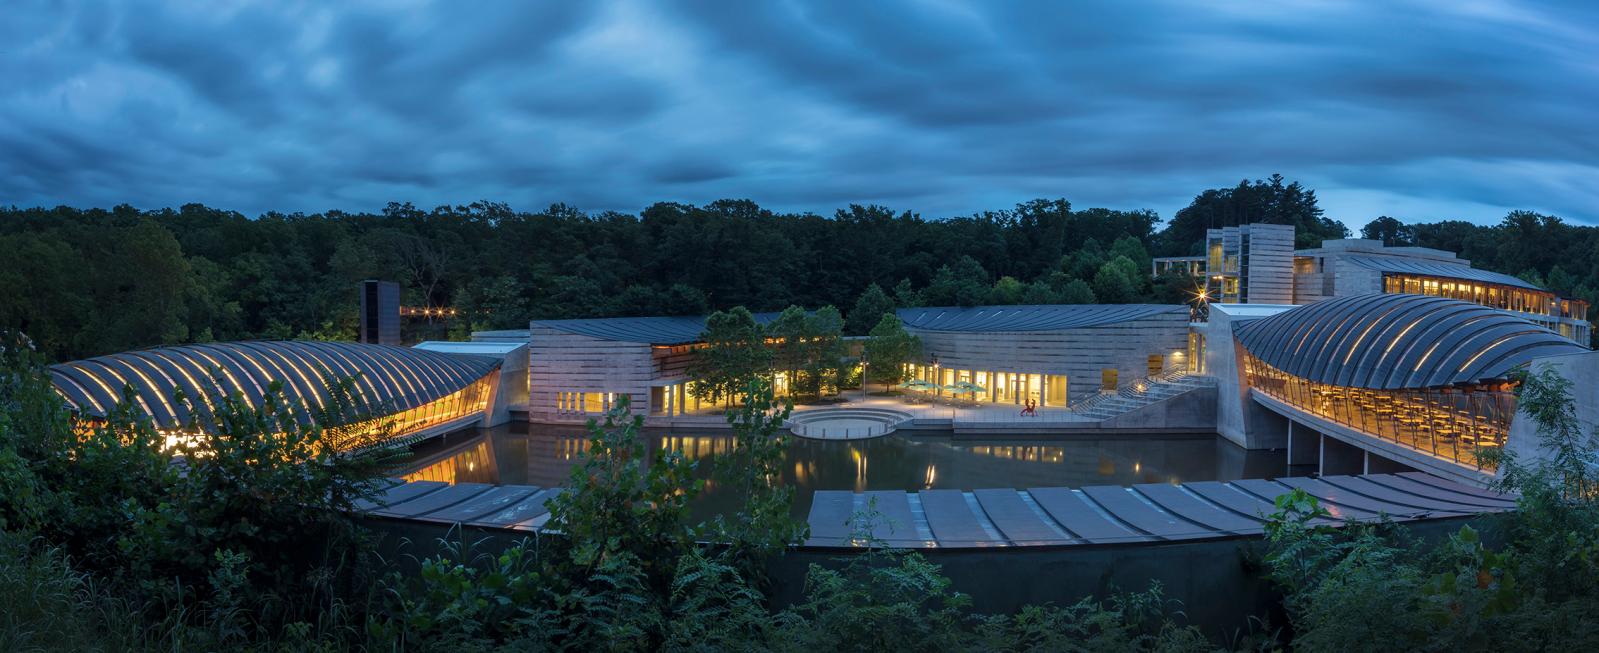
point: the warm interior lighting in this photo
(1450, 422)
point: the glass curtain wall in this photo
(1450, 422)
(1491, 295)
(998, 387)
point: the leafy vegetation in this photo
(211, 274)
(1374, 587)
(734, 353)
(888, 349)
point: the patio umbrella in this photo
(965, 387)
(919, 385)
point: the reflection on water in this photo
(544, 455)
(472, 462)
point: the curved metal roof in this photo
(1389, 341)
(1437, 269)
(1047, 317)
(386, 377)
(679, 330)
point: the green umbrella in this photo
(965, 387)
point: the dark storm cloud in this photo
(1421, 110)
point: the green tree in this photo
(494, 303)
(963, 284)
(1560, 281)
(625, 504)
(1131, 248)
(1085, 262)
(763, 525)
(905, 295)
(1113, 285)
(869, 308)
(734, 352)
(1391, 232)
(1041, 292)
(790, 351)
(888, 349)
(1007, 291)
(824, 350)
(1174, 287)
(1078, 292)
(1268, 201)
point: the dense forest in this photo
(83, 282)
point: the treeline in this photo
(83, 282)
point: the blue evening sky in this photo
(1450, 109)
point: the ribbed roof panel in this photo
(388, 377)
(1390, 341)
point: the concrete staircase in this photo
(1138, 395)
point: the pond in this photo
(543, 455)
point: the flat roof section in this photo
(1010, 517)
(1047, 317)
(485, 348)
(679, 330)
(1438, 269)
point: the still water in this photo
(543, 455)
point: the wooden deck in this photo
(1047, 516)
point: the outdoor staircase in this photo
(1142, 393)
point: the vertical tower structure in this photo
(1250, 264)
(380, 313)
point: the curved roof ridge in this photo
(1390, 341)
(301, 366)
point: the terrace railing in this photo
(1453, 423)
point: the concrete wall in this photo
(1238, 419)
(1195, 409)
(1350, 279)
(512, 389)
(1271, 263)
(1583, 372)
(1079, 354)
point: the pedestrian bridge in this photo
(1425, 383)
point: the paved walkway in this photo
(976, 413)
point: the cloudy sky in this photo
(1421, 110)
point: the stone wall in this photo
(1271, 264)
(1079, 354)
(565, 362)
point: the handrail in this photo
(1132, 390)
